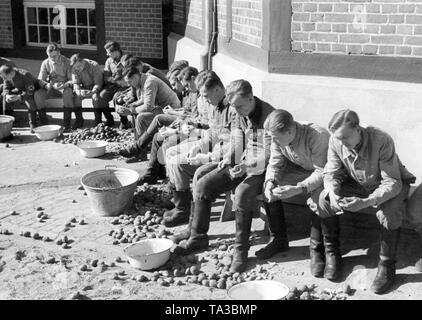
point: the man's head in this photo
(113, 50)
(177, 65)
(53, 52)
(132, 77)
(240, 96)
(344, 126)
(77, 63)
(281, 127)
(187, 78)
(210, 87)
(175, 83)
(7, 72)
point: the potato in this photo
(345, 288)
(142, 278)
(59, 242)
(83, 268)
(46, 239)
(94, 263)
(27, 234)
(221, 284)
(116, 242)
(213, 283)
(65, 246)
(177, 273)
(291, 296)
(50, 260)
(179, 282)
(303, 288)
(36, 236)
(195, 270)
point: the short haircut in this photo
(188, 72)
(112, 46)
(241, 87)
(135, 62)
(279, 120)
(209, 79)
(343, 117)
(53, 47)
(6, 69)
(178, 65)
(174, 74)
(130, 72)
(75, 58)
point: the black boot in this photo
(43, 117)
(97, 116)
(153, 174)
(9, 112)
(241, 244)
(109, 117)
(67, 116)
(198, 239)
(124, 123)
(185, 233)
(386, 274)
(138, 149)
(316, 247)
(180, 213)
(278, 235)
(79, 122)
(32, 118)
(331, 231)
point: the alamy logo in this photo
(360, 17)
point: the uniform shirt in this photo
(217, 138)
(374, 165)
(114, 68)
(91, 77)
(23, 81)
(152, 93)
(147, 68)
(249, 143)
(54, 72)
(308, 150)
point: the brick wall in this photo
(222, 17)
(247, 21)
(178, 11)
(194, 11)
(370, 27)
(6, 31)
(136, 25)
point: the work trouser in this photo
(144, 119)
(69, 99)
(389, 214)
(27, 100)
(99, 103)
(159, 121)
(175, 147)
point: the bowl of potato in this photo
(259, 290)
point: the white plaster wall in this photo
(395, 107)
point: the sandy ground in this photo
(43, 173)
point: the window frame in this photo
(75, 4)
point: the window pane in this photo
(92, 18)
(32, 34)
(32, 15)
(82, 17)
(93, 34)
(71, 35)
(70, 17)
(44, 38)
(42, 16)
(55, 35)
(82, 36)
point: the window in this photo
(72, 24)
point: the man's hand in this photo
(48, 86)
(58, 85)
(132, 107)
(95, 96)
(167, 132)
(238, 170)
(354, 204)
(12, 98)
(187, 128)
(268, 191)
(334, 202)
(286, 192)
(200, 158)
(223, 163)
(193, 151)
(168, 109)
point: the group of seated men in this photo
(208, 139)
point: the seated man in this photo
(5, 61)
(56, 81)
(241, 170)
(152, 95)
(298, 157)
(88, 80)
(20, 87)
(181, 169)
(173, 119)
(362, 171)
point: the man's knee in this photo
(245, 196)
(40, 96)
(390, 214)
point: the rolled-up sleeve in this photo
(334, 170)
(319, 146)
(391, 183)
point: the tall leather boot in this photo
(386, 274)
(278, 235)
(97, 116)
(109, 117)
(79, 122)
(331, 231)
(316, 247)
(241, 244)
(9, 112)
(185, 233)
(124, 123)
(67, 116)
(138, 148)
(198, 239)
(153, 174)
(32, 118)
(180, 213)
(43, 117)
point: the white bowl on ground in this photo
(259, 290)
(48, 132)
(148, 254)
(92, 149)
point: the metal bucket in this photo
(110, 191)
(6, 125)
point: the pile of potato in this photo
(100, 132)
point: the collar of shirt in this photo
(298, 135)
(361, 149)
(255, 115)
